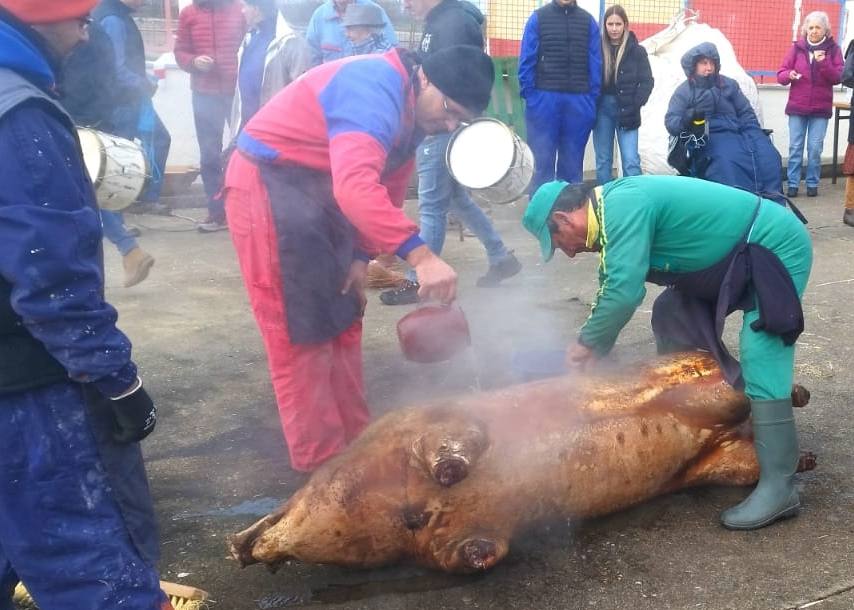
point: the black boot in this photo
(407, 294)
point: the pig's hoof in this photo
(807, 461)
(241, 551)
(479, 554)
(800, 396)
(450, 471)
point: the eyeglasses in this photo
(453, 113)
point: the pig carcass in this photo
(448, 485)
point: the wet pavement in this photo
(217, 461)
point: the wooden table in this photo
(838, 109)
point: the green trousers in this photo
(766, 363)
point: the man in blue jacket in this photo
(327, 36)
(560, 75)
(77, 522)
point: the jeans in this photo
(439, 193)
(607, 123)
(811, 129)
(210, 113)
(115, 231)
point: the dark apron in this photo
(690, 313)
(317, 246)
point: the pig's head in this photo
(385, 499)
(349, 513)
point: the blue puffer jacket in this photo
(716, 97)
(738, 153)
(50, 229)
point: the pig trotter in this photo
(478, 554)
(450, 470)
(241, 551)
(800, 395)
(807, 461)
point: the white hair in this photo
(819, 17)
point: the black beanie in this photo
(464, 73)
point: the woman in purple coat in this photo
(812, 67)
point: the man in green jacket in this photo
(718, 249)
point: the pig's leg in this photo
(733, 462)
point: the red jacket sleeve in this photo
(357, 161)
(184, 51)
(397, 182)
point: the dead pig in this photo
(448, 485)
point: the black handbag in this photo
(681, 149)
(678, 156)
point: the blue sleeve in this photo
(595, 61)
(388, 31)
(364, 97)
(677, 111)
(115, 29)
(528, 56)
(50, 250)
(312, 36)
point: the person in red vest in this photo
(314, 191)
(209, 34)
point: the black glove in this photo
(135, 415)
(692, 113)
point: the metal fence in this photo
(760, 31)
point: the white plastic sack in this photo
(665, 50)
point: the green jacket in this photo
(676, 224)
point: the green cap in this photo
(536, 218)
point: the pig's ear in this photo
(448, 455)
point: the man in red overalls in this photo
(314, 191)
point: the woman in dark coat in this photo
(626, 84)
(711, 111)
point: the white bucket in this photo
(488, 158)
(116, 166)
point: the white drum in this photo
(116, 166)
(488, 158)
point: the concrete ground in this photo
(217, 461)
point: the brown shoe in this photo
(137, 264)
(848, 217)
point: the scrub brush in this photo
(181, 597)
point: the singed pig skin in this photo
(448, 485)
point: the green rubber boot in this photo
(776, 442)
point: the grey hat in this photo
(363, 14)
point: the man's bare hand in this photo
(579, 357)
(203, 63)
(436, 278)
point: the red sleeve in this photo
(397, 182)
(357, 161)
(184, 52)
